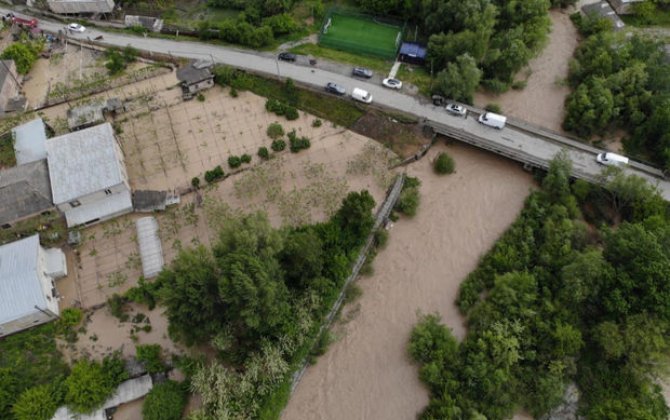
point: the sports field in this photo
(362, 35)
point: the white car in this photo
(75, 27)
(392, 83)
(458, 110)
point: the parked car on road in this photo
(392, 83)
(493, 120)
(458, 110)
(335, 88)
(75, 27)
(287, 56)
(361, 95)
(362, 72)
(611, 159)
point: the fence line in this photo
(382, 214)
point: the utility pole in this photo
(431, 76)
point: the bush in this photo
(117, 306)
(245, 158)
(233, 92)
(444, 164)
(409, 199)
(275, 130)
(69, 318)
(274, 106)
(145, 293)
(493, 108)
(278, 145)
(299, 144)
(263, 153)
(214, 174)
(234, 162)
(165, 401)
(381, 238)
(150, 356)
(195, 182)
(317, 123)
(291, 113)
(200, 97)
(519, 85)
(38, 403)
(88, 386)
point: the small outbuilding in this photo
(195, 77)
(25, 192)
(605, 11)
(412, 53)
(91, 114)
(28, 294)
(30, 142)
(70, 7)
(151, 24)
(89, 182)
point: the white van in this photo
(361, 95)
(611, 159)
(493, 120)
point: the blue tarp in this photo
(412, 49)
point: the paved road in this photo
(521, 143)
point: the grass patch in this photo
(376, 64)
(417, 76)
(362, 34)
(659, 18)
(341, 112)
(51, 227)
(7, 156)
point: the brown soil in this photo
(366, 374)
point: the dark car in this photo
(362, 72)
(287, 56)
(335, 88)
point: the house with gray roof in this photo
(67, 7)
(25, 191)
(89, 182)
(195, 77)
(605, 11)
(27, 292)
(30, 142)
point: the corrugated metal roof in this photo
(20, 288)
(112, 205)
(83, 162)
(81, 6)
(151, 251)
(30, 142)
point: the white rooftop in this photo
(83, 162)
(115, 204)
(30, 142)
(20, 288)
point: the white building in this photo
(81, 6)
(88, 176)
(27, 291)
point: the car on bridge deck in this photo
(457, 110)
(611, 159)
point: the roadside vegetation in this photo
(258, 297)
(24, 53)
(649, 13)
(575, 291)
(343, 113)
(620, 82)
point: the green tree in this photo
(444, 164)
(23, 55)
(460, 79)
(87, 387)
(150, 356)
(165, 401)
(38, 403)
(590, 108)
(301, 258)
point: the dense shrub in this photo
(275, 130)
(145, 293)
(151, 358)
(245, 158)
(38, 403)
(23, 53)
(409, 199)
(90, 383)
(275, 106)
(263, 153)
(291, 113)
(195, 182)
(165, 401)
(278, 145)
(215, 174)
(296, 143)
(444, 164)
(234, 161)
(493, 107)
(117, 307)
(317, 123)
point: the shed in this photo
(196, 76)
(30, 142)
(149, 23)
(25, 191)
(412, 53)
(91, 114)
(81, 6)
(605, 11)
(151, 251)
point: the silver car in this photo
(458, 110)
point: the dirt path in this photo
(366, 373)
(541, 102)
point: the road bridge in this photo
(518, 140)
